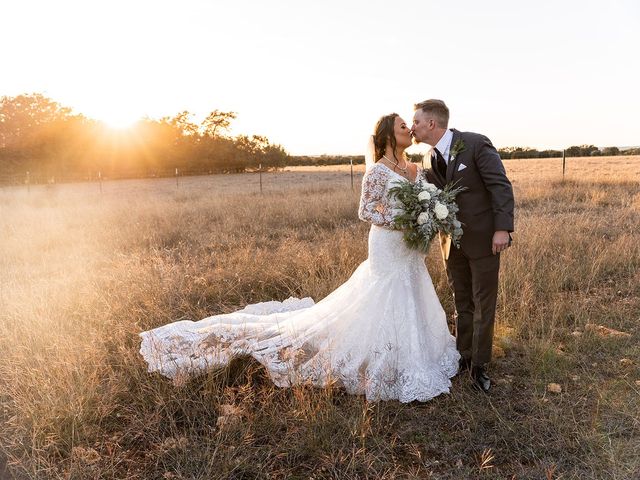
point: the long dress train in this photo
(382, 333)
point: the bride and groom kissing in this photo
(383, 333)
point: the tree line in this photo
(40, 136)
(507, 153)
(574, 151)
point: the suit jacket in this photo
(487, 203)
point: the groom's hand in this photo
(500, 241)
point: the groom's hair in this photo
(437, 109)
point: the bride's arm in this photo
(374, 204)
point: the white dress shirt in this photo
(444, 145)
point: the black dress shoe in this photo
(464, 364)
(480, 379)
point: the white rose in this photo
(430, 187)
(456, 224)
(441, 211)
(424, 196)
(423, 218)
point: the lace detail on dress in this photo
(375, 206)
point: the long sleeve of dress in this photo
(374, 202)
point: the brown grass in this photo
(82, 273)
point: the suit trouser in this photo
(474, 282)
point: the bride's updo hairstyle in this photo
(383, 133)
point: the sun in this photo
(119, 120)
(116, 115)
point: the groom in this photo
(486, 212)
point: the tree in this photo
(45, 138)
(36, 131)
(610, 151)
(581, 151)
(182, 124)
(23, 117)
(573, 151)
(216, 122)
(587, 150)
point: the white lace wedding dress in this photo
(383, 333)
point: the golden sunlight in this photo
(118, 120)
(115, 110)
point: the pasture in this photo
(83, 272)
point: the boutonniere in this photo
(457, 148)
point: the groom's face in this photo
(422, 128)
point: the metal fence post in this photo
(564, 163)
(351, 163)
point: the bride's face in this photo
(402, 133)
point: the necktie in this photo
(441, 164)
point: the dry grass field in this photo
(83, 272)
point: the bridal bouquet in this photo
(427, 210)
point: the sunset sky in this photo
(315, 76)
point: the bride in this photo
(383, 333)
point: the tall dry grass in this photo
(83, 273)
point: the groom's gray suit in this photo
(486, 206)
